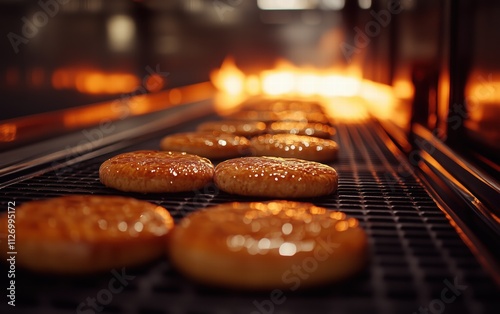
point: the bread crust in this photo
(295, 146)
(258, 245)
(156, 172)
(275, 177)
(213, 145)
(271, 116)
(82, 234)
(301, 128)
(285, 105)
(241, 128)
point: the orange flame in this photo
(94, 81)
(230, 79)
(344, 91)
(8, 132)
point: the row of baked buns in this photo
(254, 245)
(216, 145)
(168, 172)
(254, 128)
(245, 245)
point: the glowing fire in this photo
(229, 79)
(344, 93)
(8, 132)
(94, 81)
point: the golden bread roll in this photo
(269, 245)
(285, 105)
(156, 172)
(271, 116)
(294, 146)
(207, 144)
(301, 128)
(84, 233)
(242, 128)
(275, 177)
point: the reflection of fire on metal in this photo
(100, 115)
(482, 93)
(8, 132)
(100, 82)
(344, 93)
(482, 96)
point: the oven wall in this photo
(440, 55)
(448, 52)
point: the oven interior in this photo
(421, 178)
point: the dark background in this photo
(185, 38)
(448, 50)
